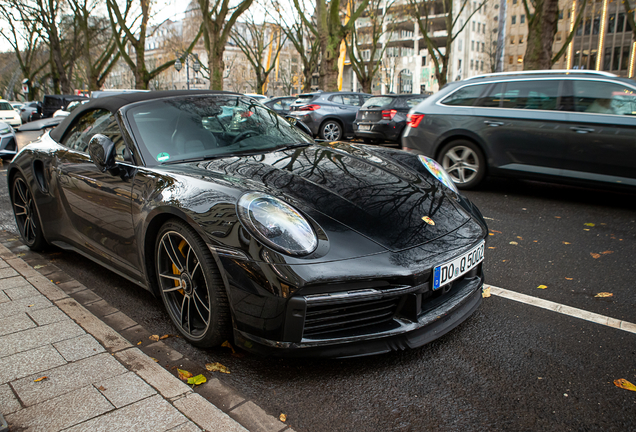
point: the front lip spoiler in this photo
(430, 326)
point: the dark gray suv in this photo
(563, 126)
(329, 115)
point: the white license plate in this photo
(448, 272)
(364, 127)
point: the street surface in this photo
(511, 366)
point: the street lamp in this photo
(195, 65)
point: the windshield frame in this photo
(127, 114)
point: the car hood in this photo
(366, 191)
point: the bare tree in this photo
(217, 20)
(330, 32)
(543, 18)
(139, 25)
(453, 25)
(261, 44)
(23, 36)
(629, 12)
(365, 48)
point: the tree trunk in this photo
(541, 31)
(366, 84)
(217, 66)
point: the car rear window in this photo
(377, 102)
(413, 101)
(303, 99)
(465, 96)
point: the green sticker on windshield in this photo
(162, 157)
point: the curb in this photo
(212, 406)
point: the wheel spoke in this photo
(196, 295)
(452, 155)
(196, 267)
(20, 191)
(203, 317)
(183, 310)
(172, 254)
(187, 261)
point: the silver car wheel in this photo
(331, 131)
(461, 163)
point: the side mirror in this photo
(102, 151)
(300, 125)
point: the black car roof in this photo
(115, 102)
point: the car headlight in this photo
(276, 224)
(438, 172)
(5, 130)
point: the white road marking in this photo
(563, 309)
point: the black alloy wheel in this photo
(26, 214)
(464, 162)
(331, 130)
(191, 286)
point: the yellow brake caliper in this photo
(175, 270)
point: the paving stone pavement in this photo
(64, 369)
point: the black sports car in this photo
(248, 228)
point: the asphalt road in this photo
(511, 366)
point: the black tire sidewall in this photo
(39, 243)
(219, 329)
(481, 172)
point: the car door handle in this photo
(581, 130)
(493, 123)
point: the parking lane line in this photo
(563, 309)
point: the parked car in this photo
(29, 111)
(113, 92)
(280, 104)
(52, 103)
(69, 109)
(259, 97)
(329, 115)
(565, 126)
(16, 105)
(8, 141)
(9, 115)
(246, 227)
(383, 118)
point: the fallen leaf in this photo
(216, 367)
(566, 242)
(31, 305)
(604, 294)
(542, 286)
(282, 418)
(154, 338)
(164, 337)
(569, 278)
(589, 224)
(139, 343)
(227, 344)
(156, 361)
(504, 260)
(491, 234)
(184, 374)
(603, 223)
(595, 255)
(536, 241)
(57, 283)
(607, 252)
(586, 229)
(101, 388)
(21, 254)
(523, 209)
(491, 247)
(197, 380)
(38, 266)
(498, 232)
(520, 238)
(557, 217)
(514, 243)
(40, 379)
(485, 292)
(624, 384)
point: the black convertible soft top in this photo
(114, 103)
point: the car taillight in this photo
(388, 114)
(414, 120)
(311, 107)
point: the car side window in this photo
(336, 99)
(351, 100)
(90, 123)
(603, 98)
(465, 96)
(411, 102)
(278, 106)
(532, 95)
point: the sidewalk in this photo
(95, 380)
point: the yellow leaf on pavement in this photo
(164, 337)
(154, 359)
(216, 367)
(40, 379)
(197, 380)
(491, 247)
(154, 338)
(282, 418)
(624, 384)
(139, 343)
(604, 294)
(520, 238)
(485, 292)
(498, 232)
(595, 255)
(589, 224)
(566, 242)
(567, 278)
(607, 252)
(542, 286)
(586, 229)
(514, 243)
(184, 374)
(227, 344)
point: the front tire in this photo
(331, 131)
(191, 286)
(464, 162)
(26, 214)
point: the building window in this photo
(472, 45)
(473, 25)
(478, 27)
(519, 59)
(521, 39)
(522, 19)
(514, 19)
(561, 14)
(459, 45)
(482, 65)
(471, 64)
(459, 64)
(514, 2)
(510, 59)
(512, 40)
(483, 46)
(558, 36)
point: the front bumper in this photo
(8, 145)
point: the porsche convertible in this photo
(249, 229)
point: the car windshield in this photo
(377, 102)
(199, 127)
(5, 106)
